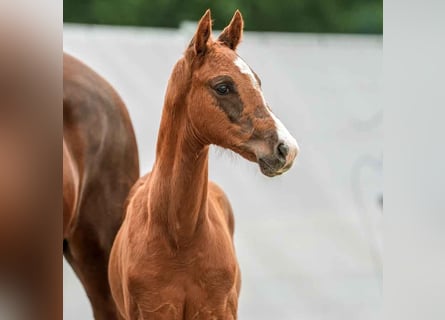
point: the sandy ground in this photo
(309, 242)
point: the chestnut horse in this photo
(100, 165)
(173, 257)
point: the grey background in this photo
(309, 242)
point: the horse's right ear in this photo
(202, 34)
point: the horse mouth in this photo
(271, 170)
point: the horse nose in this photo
(282, 150)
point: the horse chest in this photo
(204, 270)
(202, 284)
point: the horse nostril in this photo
(283, 150)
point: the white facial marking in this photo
(282, 132)
(284, 136)
(244, 68)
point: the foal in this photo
(173, 257)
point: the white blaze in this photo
(244, 68)
(282, 132)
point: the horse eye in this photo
(222, 89)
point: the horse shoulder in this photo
(126, 251)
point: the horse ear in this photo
(202, 34)
(232, 34)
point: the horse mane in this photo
(178, 84)
(175, 98)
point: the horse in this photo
(174, 257)
(100, 165)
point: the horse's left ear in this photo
(232, 34)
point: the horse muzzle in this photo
(280, 160)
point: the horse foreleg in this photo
(90, 262)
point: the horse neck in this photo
(179, 180)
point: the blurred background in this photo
(346, 16)
(309, 242)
